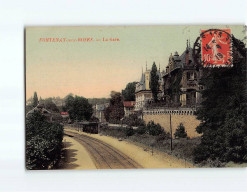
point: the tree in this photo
(49, 104)
(129, 92)
(95, 101)
(133, 120)
(35, 99)
(223, 111)
(78, 108)
(180, 131)
(69, 99)
(154, 82)
(43, 141)
(154, 129)
(115, 111)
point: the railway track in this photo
(104, 155)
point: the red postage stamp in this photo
(216, 47)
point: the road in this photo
(104, 155)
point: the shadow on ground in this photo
(67, 157)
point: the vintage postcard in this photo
(131, 97)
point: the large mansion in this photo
(179, 83)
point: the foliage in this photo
(223, 112)
(43, 141)
(118, 131)
(95, 101)
(154, 82)
(180, 131)
(35, 99)
(115, 110)
(94, 119)
(141, 130)
(78, 108)
(49, 104)
(133, 120)
(154, 129)
(175, 86)
(182, 148)
(129, 131)
(129, 92)
(56, 117)
(163, 136)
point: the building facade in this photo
(128, 108)
(99, 111)
(41, 108)
(181, 80)
(143, 92)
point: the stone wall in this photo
(163, 118)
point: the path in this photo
(75, 156)
(137, 153)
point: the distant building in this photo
(40, 108)
(65, 116)
(128, 108)
(181, 80)
(143, 92)
(99, 111)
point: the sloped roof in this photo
(141, 85)
(39, 109)
(183, 57)
(64, 113)
(180, 61)
(129, 104)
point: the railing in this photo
(177, 111)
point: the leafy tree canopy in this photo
(223, 111)
(154, 82)
(78, 108)
(129, 92)
(43, 141)
(115, 111)
(180, 131)
(35, 99)
(49, 104)
(94, 101)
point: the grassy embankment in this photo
(182, 148)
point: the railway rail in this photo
(104, 155)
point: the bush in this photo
(133, 120)
(212, 163)
(180, 132)
(43, 142)
(154, 129)
(141, 130)
(56, 117)
(129, 131)
(114, 121)
(93, 119)
(163, 136)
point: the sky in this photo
(93, 69)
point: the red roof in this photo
(129, 103)
(64, 113)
